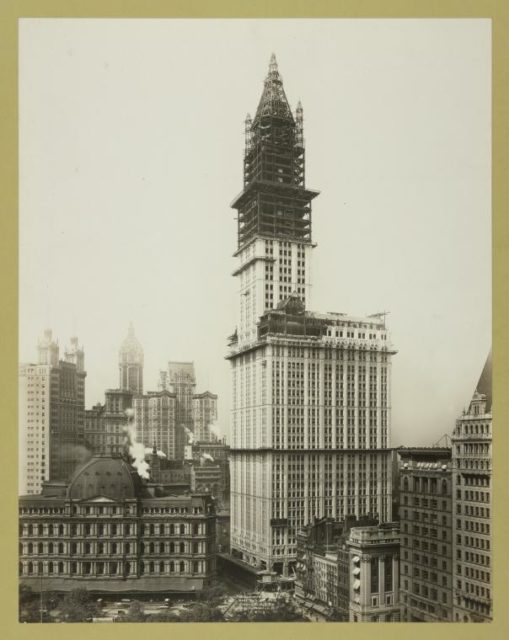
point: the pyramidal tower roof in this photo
(131, 347)
(484, 386)
(273, 101)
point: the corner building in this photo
(311, 392)
(472, 486)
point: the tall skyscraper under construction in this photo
(311, 391)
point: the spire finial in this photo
(273, 69)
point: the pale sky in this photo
(131, 147)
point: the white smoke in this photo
(190, 435)
(136, 449)
(214, 429)
(207, 456)
(160, 454)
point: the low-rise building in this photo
(109, 531)
(323, 566)
(374, 571)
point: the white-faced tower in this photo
(311, 392)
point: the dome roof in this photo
(105, 476)
(131, 349)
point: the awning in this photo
(356, 571)
(356, 559)
(356, 584)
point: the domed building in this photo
(130, 364)
(110, 531)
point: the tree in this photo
(78, 606)
(202, 613)
(213, 595)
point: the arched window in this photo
(161, 547)
(151, 529)
(60, 529)
(172, 529)
(405, 484)
(161, 567)
(182, 529)
(40, 548)
(60, 567)
(142, 547)
(182, 547)
(151, 567)
(444, 486)
(60, 547)
(172, 567)
(50, 547)
(39, 529)
(30, 548)
(50, 567)
(40, 568)
(127, 548)
(30, 529)
(87, 547)
(30, 567)
(151, 547)
(142, 568)
(172, 547)
(182, 566)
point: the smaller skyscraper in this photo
(130, 363)
(51, 414)
(154, 417)
(181, 381)
(426, 534)
(472, 466)
(204, 416)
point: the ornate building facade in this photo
(311, 392)
(107, 530)
(472, 506)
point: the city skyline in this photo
(439, 343)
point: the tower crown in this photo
(273, 101)
(131, 350)
(274, 202)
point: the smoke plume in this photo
(136, 449)
(160, 454)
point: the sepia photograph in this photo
(255, 320)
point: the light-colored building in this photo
(154, 418)
(130, 364)
(204, 415)
(311, 391)
(426, 534)
(472, 508)
(51, 414)
(374, 570)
